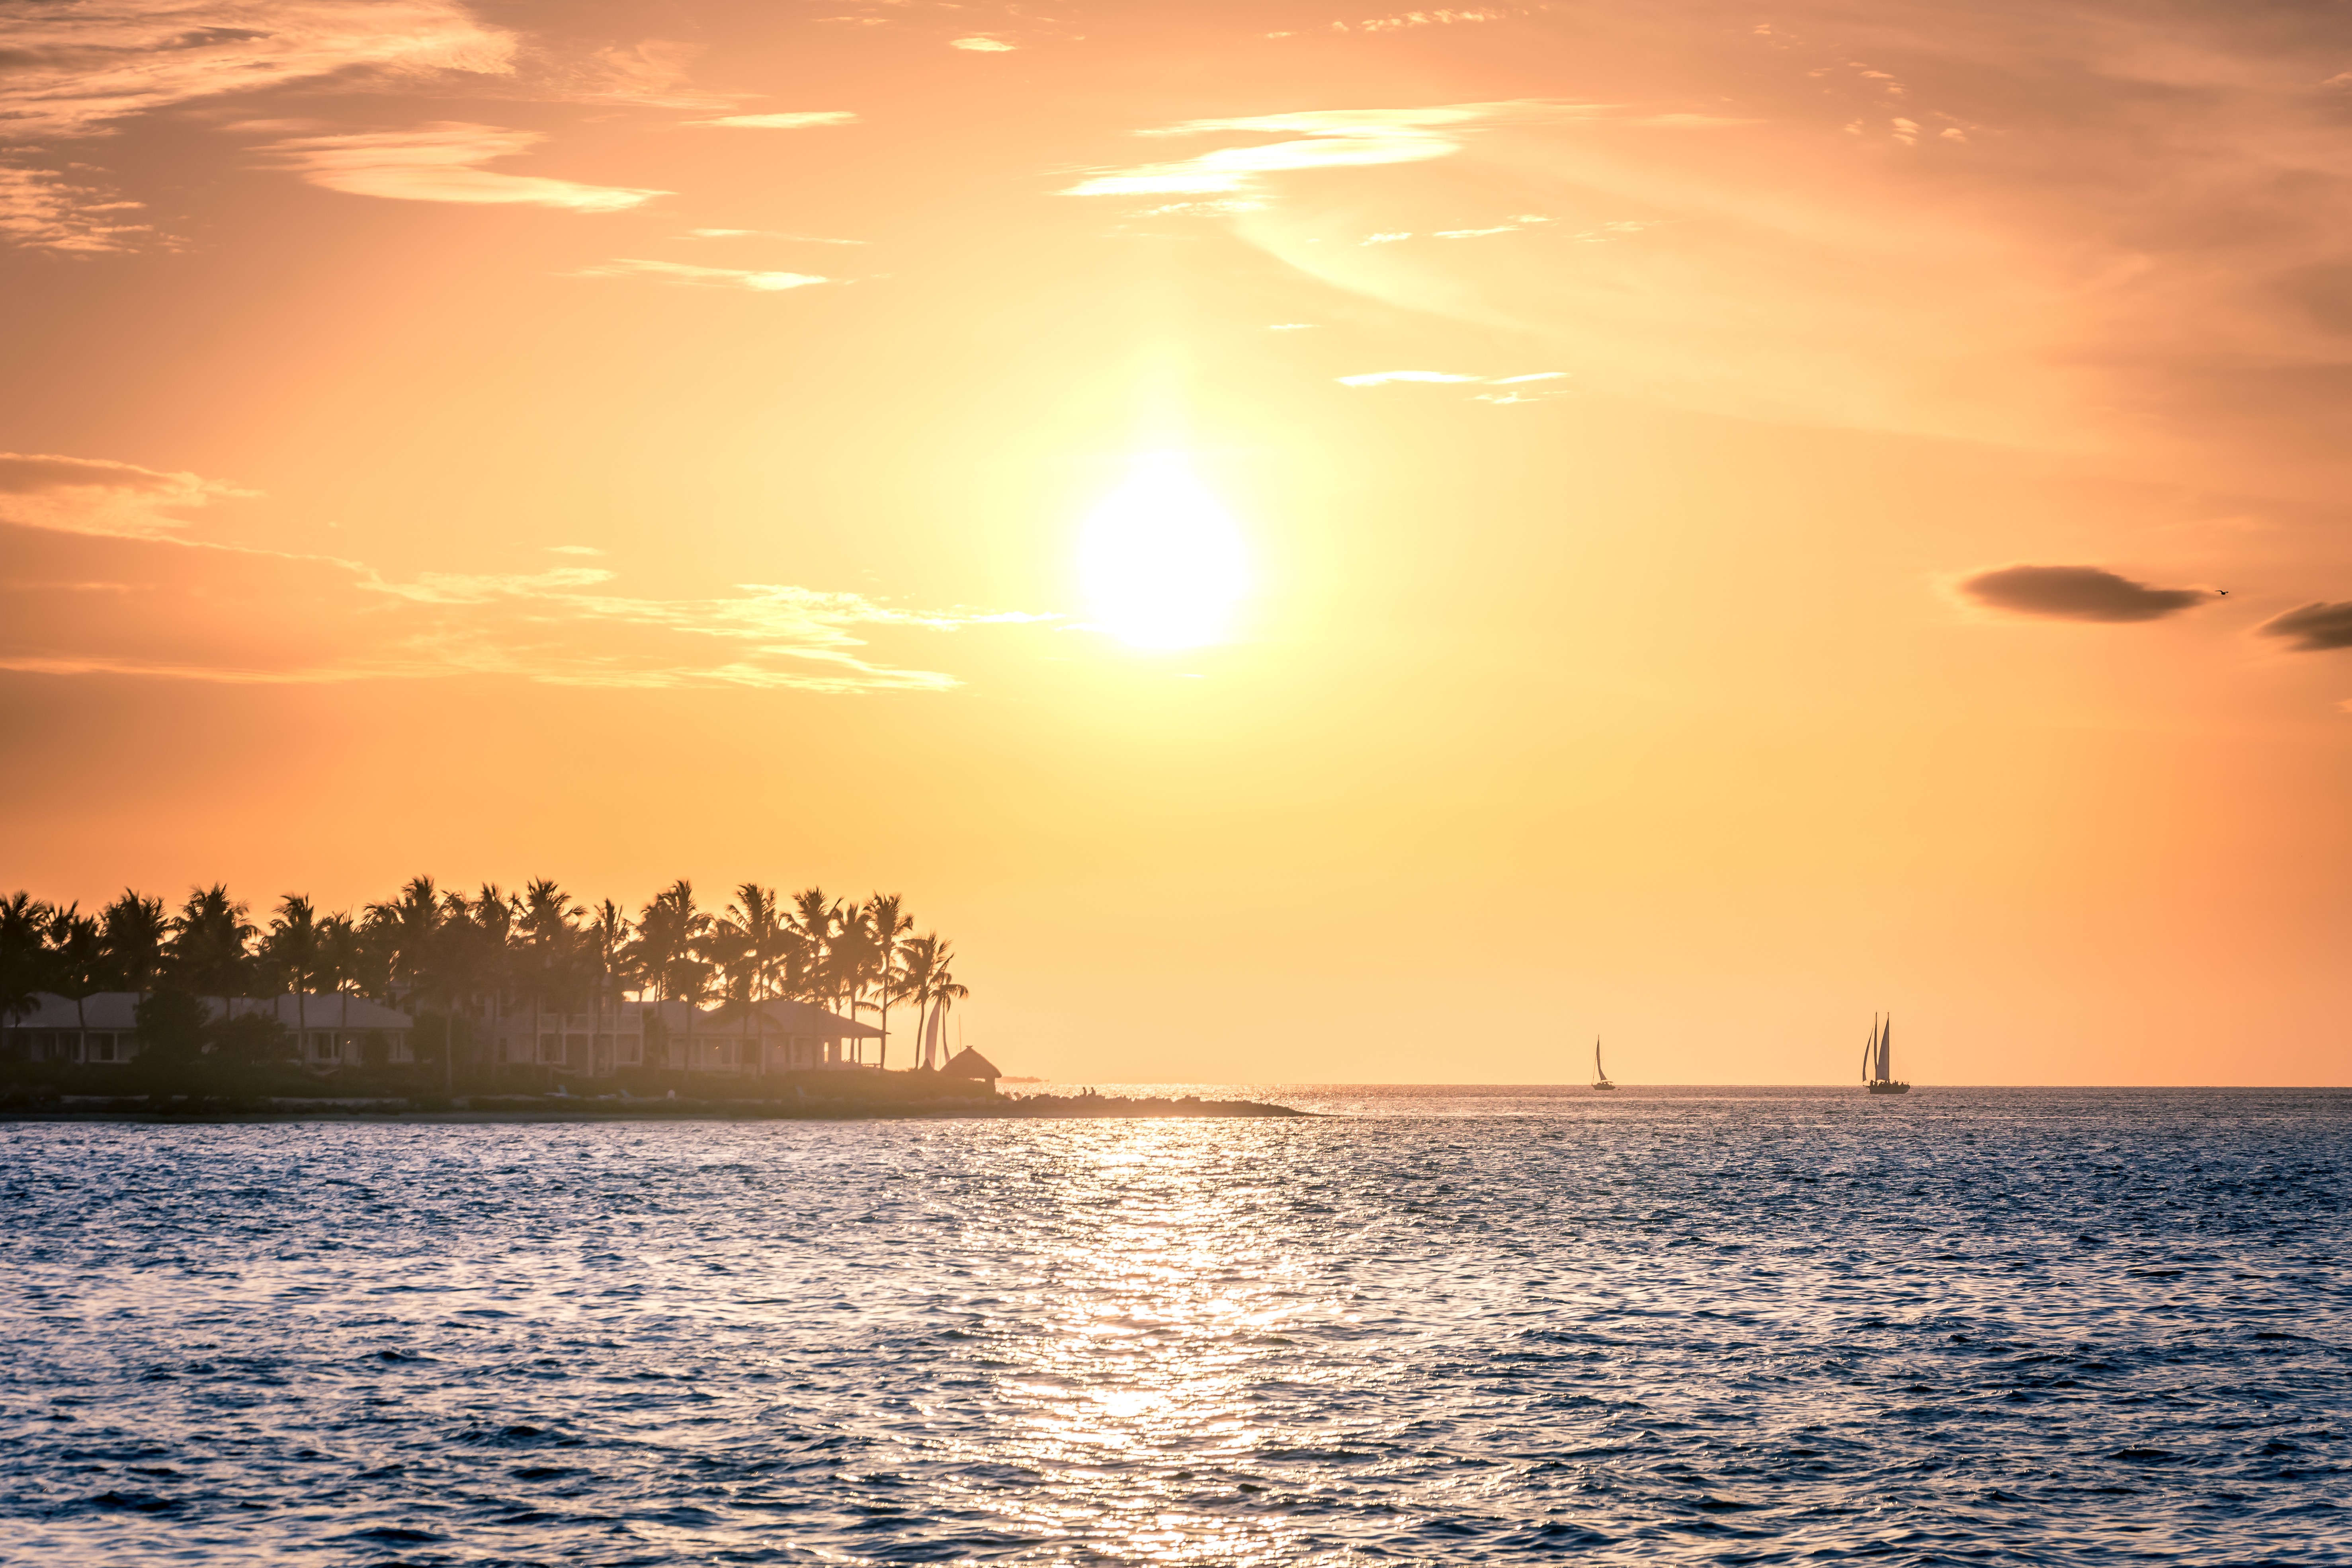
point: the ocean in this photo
(1442, 1325)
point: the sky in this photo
(1314, 544)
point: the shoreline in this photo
(497, 1109)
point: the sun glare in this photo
(1163, 563)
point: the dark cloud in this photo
(2314, 628)
(2078, 594)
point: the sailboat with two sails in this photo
(1878, 1058)
(1600, 1079)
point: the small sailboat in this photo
(1877, 1058)
(1600, 1079)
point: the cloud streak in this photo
(693, 277)
(441, 162)
(1319, 139)
(800, 119)
(96, 495)
(191, 610)
(2077, 594)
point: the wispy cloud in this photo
(701, 276)
(769, 233)
(1389, 377)
(1319, 139)
(981, 45)
(800, 120)
(42, 209)
(2077, 594)
(441, 162)
(1439, 18)
(72, 70)
(186, 609)
(96, 495)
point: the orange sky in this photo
(618, 442)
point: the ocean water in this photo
(2034, 1327)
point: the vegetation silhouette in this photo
(447, 958)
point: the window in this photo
(575, 1050)
(632, 1049)
(551, 1047)
(101, 1048)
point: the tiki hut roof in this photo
(969, 1063)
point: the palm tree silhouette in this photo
(77, 963)
(407, 930)
(209, 948)
(924, 959)
(135, 928)
(290, 950)
(23, 920)
(605, 943)
(758, 946)
(668, 930)
(887, 925)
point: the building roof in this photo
(969, 1063)
(783, 1017)
(119, 1010)
(317, 1011)
(99, 1010)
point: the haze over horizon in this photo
(1317, 545)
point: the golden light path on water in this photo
(1151, 1323)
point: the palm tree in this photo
(408, 932)
(943, 993)
(341, 965)
(22, 920)
(848, 964)
(887, 926)
(549, 949)
(210, 950)
(762, 947)
(134, 927)
(668, 929)
(605, 943)
(290, 950)
(76, 962)
(922, 960)
(816, 924)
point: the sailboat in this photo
(1600, 1079)
(1877, 1058)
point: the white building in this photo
(337, 1030)
(771, 1036)
(104, 1026)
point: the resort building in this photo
(769, 1036)
(336, 1031)
(104, 1027)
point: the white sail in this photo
(1886, 1049)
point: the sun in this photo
(1161, 563)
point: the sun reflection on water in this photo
(1138, 1390)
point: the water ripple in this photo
(1981, 1326)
